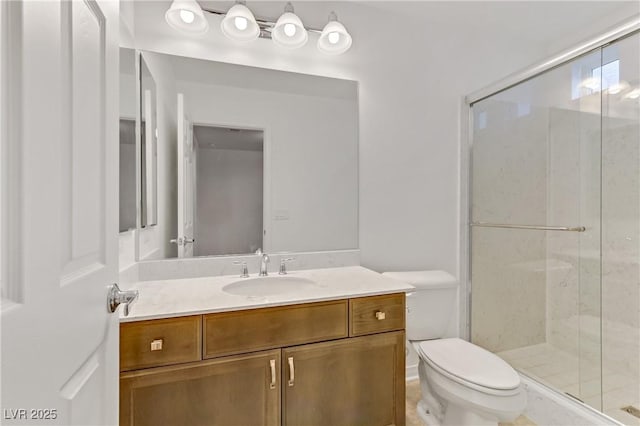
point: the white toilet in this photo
(462, 384)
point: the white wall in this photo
(311, 155)
(229, 207)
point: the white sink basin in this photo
(268, 286)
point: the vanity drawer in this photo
(159, 342)
(229, 333)
(376, 314)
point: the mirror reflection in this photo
(127, 140)
(252, 159)
(229, 190)
(148, 146)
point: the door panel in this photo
(357, 381)
(58, 347)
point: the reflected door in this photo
(186, 182)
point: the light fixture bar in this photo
(265, 24)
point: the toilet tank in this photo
(432, 305)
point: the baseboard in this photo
(412, 372)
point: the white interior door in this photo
(59, 343)
(186, 182)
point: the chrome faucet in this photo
(263, 264)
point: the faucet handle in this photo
(245, 270)
(283, 264)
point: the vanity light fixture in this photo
(239, 24)
(289, 31)
(187, 16)
(334, 38)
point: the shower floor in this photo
(559, 370)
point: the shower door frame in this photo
(611, 35)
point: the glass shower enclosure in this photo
(555, 227)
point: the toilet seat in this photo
(470, 366)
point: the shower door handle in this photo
(531, 227)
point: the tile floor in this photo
(565, 372)
(413, 396)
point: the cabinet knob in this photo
(156, 345)
(380, 315)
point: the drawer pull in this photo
(272, 363)
(292, 371)
(380, 315)
(156, 345)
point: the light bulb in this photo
(333, 37)
(241, 23)
(187, 16)
(290, 30)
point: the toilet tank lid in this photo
(425, 279)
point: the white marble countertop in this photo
(192, 296)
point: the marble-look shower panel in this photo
(509, 265)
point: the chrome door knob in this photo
(117, 297)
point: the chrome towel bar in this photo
(536, 227)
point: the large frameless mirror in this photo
(249, 159)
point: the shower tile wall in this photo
(509, 265)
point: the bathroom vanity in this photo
(328, 354)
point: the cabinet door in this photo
(239, 390)
(356, 381)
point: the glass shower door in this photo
(535, 236)
(621, 230)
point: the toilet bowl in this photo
(462, 384)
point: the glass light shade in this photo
(239, 24)
(334, 39)
(186, 16)
(289, 31)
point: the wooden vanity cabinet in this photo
(326, 364)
